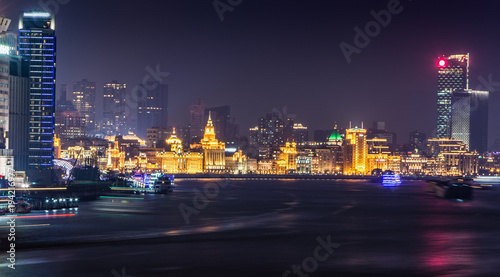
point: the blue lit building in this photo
(37, 45)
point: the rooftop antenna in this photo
(361, 124)
(350, 124)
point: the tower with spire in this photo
(213, 150)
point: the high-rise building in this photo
(69, 124)
(355, 151)
(273, 130)
(156, 136)
(300, 133)
(14, 102)
(63, 93)
(453, 75)
(379, 131)
(4, 100)
(153, 110)
(114, 94)
(84, 102)
(37, 44)
(197, 113)
(225, 127)
(19, 112)
(469, 118)
(418, 142)
(479, 121)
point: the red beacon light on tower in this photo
(441, 62)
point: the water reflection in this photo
(448, 252)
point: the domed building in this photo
(335, 138)
(177, 161)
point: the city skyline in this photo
(249, 138)
(317, 74)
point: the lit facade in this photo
(238, 163)
(355, 152)
(57, 147)
(115, 157)
(152, 109)
(37, 44)
(197, 113)
(414, 164)
(452, 158)
(300, 133)
(469, 119)
(287, 160)
(273, 130)
(418, 142)
(177, 161)
(19, 112)
(69, 124)
(114, 109)
(453, 75)
(84, 102)
(213, 150)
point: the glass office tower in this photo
(453, 75)
(37, 44)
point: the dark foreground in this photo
(264, 228)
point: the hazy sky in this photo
(268, 54)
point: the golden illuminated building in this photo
(355, 152)
(213, 150)
(238, 163)
(176, 161)
(175, 143)
(286, 161)
(57, 147)
(453, 156)
(116, 158)
(379, 156)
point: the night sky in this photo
(271, 54)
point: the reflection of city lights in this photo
(38, 216)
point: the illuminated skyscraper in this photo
(84, 102)
(300, 133)
(37, 44)
(453, 75)
(153, 109)
(469, 118)
(273, 130)
(114, 109)
(355, 151)
(418, 142)
(197, 113)
(19, 111)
